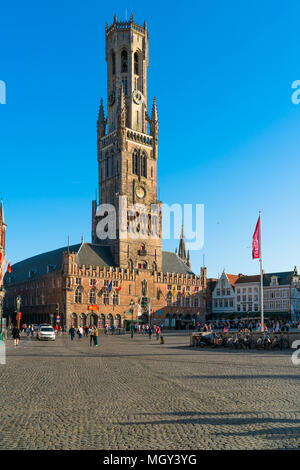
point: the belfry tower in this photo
(127, 148)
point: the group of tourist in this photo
(270, 325)
(91, 331)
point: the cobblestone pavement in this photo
(137, 394)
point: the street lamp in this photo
(131, 308)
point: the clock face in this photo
(137, 97)
(111, 98)
(140, 192)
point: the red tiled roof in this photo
(232, 278)
(245, 279)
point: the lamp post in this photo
(131, 308)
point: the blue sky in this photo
(221, 73)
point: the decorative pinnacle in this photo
(2, 210)
(101, 113)
(154, 116)
(145, 25)
(131, 18)
(122, 97)
(115, 18)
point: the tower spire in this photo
(101, 113)
(181, 250)
(154, 115)
(2, 211)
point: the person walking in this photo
(95, 336)
(157, 331)
(150, 332)
(72, 332)
(28, 331)
(80, 332)
(16, 335)
(91, 331)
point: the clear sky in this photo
(221, 73)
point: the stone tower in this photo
(127, 147)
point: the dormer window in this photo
(274, 281)
(32, 273)
(51, 267)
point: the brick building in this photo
(116, 279)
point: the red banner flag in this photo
(256, 241)
(8, 268)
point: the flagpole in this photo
(261, 279)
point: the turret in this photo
(181, 250)
(154, 128)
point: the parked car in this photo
(46, 332)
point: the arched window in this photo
(115, 298)
(144, 164)
(136, 63)
(78, 296)
(178, 301)
(74, 320)
(106, 165)
(113, 63)
(124, 61)
(135, 163)
(112, 169)
(82, 319)
(92, 297)
(142, 265)
(169, 299)
(154, 266)
(118, 321)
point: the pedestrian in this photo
(157, 331)
(150, 332)
(80, 332)
(16, 335)
(56, 329)
(28, 330)
(95, 336)
(91, 331)
(32, 331)
(72, 332)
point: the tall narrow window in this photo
(136, 63)
(135, 163)
(124, 82)
(144, 165)
(124, 61)
(113, 63)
